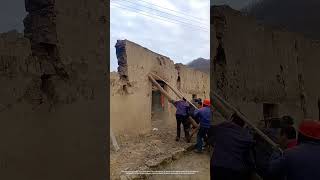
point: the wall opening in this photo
(158, 105)
(179, 83)
(270, 111)
(221, 56)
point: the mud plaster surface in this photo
(255, 64)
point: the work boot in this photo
(177, 138)
(188, 139)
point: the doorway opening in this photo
(158, 105)
(271, 114)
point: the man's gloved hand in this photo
(277, 151)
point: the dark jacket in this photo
(263, 152)
(182, 107)
(232, 147)
(191, 112)
(300, 162)
(204, 116)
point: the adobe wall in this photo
(54, 92)
(131, 90)
(255, 64)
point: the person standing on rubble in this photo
(301, 161)
(204, 117)
(233, 145)
(182, 116)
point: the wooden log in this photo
(160, 88)
(177, 92)
(193, 122)
(224, 111)
(264, 136)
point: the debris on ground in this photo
(150, 151)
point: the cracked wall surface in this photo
(131, 89)
(255, 64)
(55, 94)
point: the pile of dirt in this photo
(146, 151)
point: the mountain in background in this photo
(301, 16)
(200, 64)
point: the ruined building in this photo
(264, 71)
(53, 93)
(135, 102)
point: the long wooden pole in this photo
(264, 136)
(193, 122)
(177, 92)
(160, 88)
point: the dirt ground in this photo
(191, 162)
(136, 151)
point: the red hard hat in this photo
(206, 102)
(310, 129)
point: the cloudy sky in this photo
(12, 13)
(183, 39)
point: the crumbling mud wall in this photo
(193, 82)
(255, 64)
(54, 94)
(131, 90)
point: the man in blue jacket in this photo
(204, 117)
(232, 151)
(182, 116)
(301, 161)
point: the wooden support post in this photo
(193, 122)
(264, 136)
(177, 92)
(223, 109)
(160, 88)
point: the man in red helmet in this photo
(301, 161)
(204, 116)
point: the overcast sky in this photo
(182, 43)
(12, 13)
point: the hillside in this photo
(200, 64)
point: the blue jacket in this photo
(263, 152)
(300, 162)
(182, 107)
(204, 116)
(232, 147)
